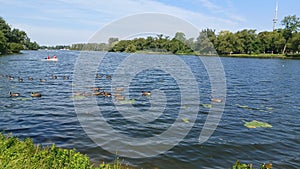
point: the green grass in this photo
(18, 154)
(262, 55)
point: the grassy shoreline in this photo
(278, 56)
(16, 153)
(261, 55)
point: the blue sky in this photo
(75, 21)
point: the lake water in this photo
(265, 90)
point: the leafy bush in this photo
(15, 47)
(15, 154)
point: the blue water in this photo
(257, 89)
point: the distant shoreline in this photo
(260, 56)
(263, 56)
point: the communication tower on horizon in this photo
(275, 17)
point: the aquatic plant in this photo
(239, 165)
(256, 124)
(16, 153)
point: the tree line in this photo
(247, 41)
(13, 40)
(284, 40)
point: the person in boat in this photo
(48, 57)
(54, 57)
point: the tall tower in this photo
(275, 17)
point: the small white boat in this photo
(50, 59)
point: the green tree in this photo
(14, 40)
(130, 48)
(247, 41)
(291, 25)
(2, 43)
(112, 41)
(15, 47)
(180, 36)
(225, 42)
(204, 43)
(5, 28)
(293, 45)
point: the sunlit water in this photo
(257, 89)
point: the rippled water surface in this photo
(266, 90)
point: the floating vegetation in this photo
(186, 120)
(266, 109)
(77, 97)
(130, 101)
(208, 106)
(245, 107)
(22, 99)
(256, 124)
(239, 165)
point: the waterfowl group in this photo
(96, 91)
(99, 76)
(29, 78)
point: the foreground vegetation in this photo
(15, 154)
(239, 165)
(14, 40)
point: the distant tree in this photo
(5, 28)
(291, 25)
(14, 39)
(3, 43)
(204, 43)
(190, 42)
(247, 41)
(140, 43)
(15, 47)
(293, 45)
(180, 36)
(112, 41)
(130, 48)
(225, 43)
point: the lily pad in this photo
(206, 106)
(243, 106)
(77, 97)
(131, 101)
(186, 120)
(23, 99)
(256, 124)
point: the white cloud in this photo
(54, 36)
(67, 22)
